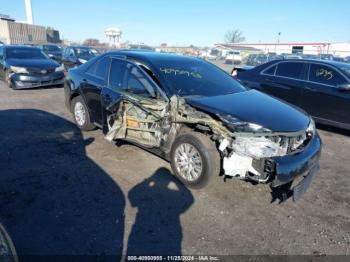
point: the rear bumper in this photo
(20, 81)
(301, 167)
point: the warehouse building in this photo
(316, 48)
(13, 32)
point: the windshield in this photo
(85, 53)
(346, 69)
(197, 78)
(51, 48)
(25, 53)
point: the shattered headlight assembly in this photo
(19, 70)
(311, 129)
(258, 147)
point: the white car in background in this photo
(212, 54)
(233, 57)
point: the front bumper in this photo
(300, 166)
(21, 81)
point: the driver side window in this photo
(129, 78)
(138, 84)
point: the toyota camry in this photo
(196, 116)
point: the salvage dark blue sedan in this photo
(196, 116)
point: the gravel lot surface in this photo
(67, 192)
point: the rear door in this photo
(284, 80)
(322, 98)
(93, 82)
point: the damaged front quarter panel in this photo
(248, 151)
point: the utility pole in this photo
(278, 37)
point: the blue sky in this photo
(198, 22)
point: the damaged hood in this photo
(254, 107)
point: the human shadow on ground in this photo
(54, 200)
(160, 200)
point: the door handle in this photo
(309, 88)
(269, 80)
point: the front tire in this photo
(7, 79)
(194, 159)
(81, 114)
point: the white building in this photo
(338, 49)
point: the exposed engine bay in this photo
(247, 150)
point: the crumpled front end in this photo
(248, 151)
(287, 160)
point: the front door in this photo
(132, 106)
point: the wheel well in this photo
(74, 95)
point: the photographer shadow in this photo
(160, 200)
(55, 200)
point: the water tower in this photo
(113, 35)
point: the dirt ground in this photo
(67, 192)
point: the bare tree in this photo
(234, 36)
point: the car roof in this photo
(21, 47)
(330, 62)
(79, 46)
(49, 44)
(152, 57)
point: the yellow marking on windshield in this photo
(325, 73)
(180, 72)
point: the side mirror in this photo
(344, 87)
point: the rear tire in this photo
(195, 159)
(81, 114)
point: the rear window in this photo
(325, 75)
(102, 67)
(270, 71)
(290, 69)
